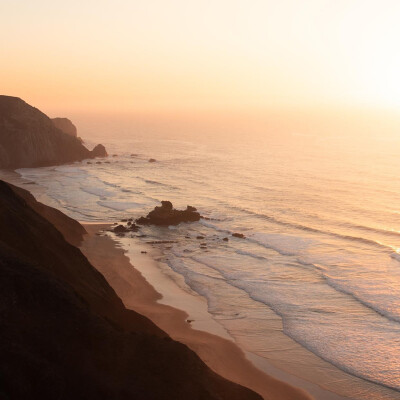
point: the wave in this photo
(287, 245)
(157, 183)
(306, 228)
(249, 254)
(258, 297)
(374, 307)
(119, 205)
(102, 193)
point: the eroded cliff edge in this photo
(64, 333)
(29, 138)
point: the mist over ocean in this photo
(321, 216)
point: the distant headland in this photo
(29, 138)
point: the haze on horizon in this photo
(201, 56)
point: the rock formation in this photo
(99, 151)
(28, 138)
(65, 125)
(65, 334)
(167, 215)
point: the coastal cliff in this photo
(65, 125)
(29, 138)
(64, 333)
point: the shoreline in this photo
(192, 325)
(323, 381)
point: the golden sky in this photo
(163, 55)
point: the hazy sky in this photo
(153, 55)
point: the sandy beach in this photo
(219, 353)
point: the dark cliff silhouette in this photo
(65, 334)
(29, 138)
(65, 125)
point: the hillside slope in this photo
(65, 334)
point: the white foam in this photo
(97, 191)
(119, 205)
(284, 244)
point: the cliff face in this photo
(65, 125)
(65, 334)
(28, 138)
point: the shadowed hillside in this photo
(65, 334)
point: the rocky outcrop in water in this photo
(29, 138)
(165, 215)
(99, 151)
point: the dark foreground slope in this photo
(64, 333)
(72, 230)
(29, 138)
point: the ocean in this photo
(316, 278)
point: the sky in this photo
(189, 55)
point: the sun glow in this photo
(180, 55)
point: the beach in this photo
(201, 334)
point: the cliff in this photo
(65, 125)
(65, 334)
(29, 138)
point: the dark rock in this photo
(199, 237)
(124, 220)
(120, 229)
(152, 160)
(89, 162)
(134, 155)
(144, 252)
(115, 155)
(99, 151)
(238, 235)
(29, 138)
(133, 227)
(167, 215)
(225, 239)
(98, 162)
